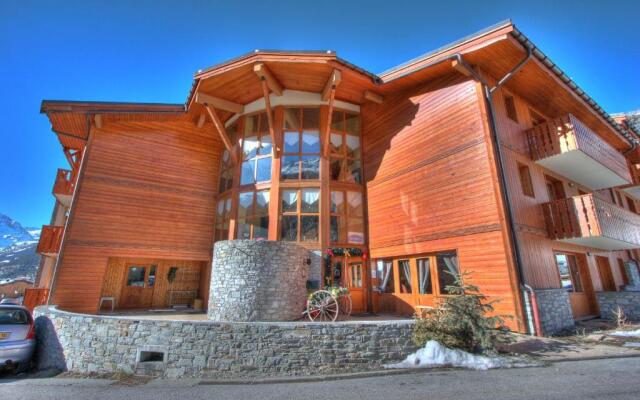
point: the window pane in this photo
(245, 204)
(244, 229)
(337, 231)
(265, 145)
(353, 123)
(405, 276)
(311, 118)
(248, 172)
(563, 269)
(135, 277)
(447, 266)
(385, 275)
(356, 231)
(353, 146)
(337, 202)
(309, 228)
(226, 157)
(264, 170)
(291, 142)
(290, 167)
(336, 143)
(250, 147)
(335, 169)
(220, 209)
(261, 227)
(262, 202)
(424, 277)
(354, 202)
(289, 201)
(337, 121)
(228, 206)
(354, 171)
(310, 142)
(310, 201)
(289, 228)
(310, 167)
(292, 119)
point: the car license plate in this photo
(4, 335)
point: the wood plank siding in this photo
(148, 190)
(432, 187)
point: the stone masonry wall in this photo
(555, 310)
(258, 280)
(108, 344)
(629, 302)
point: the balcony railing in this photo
(589, 221)
(63, 187)
(566, 146)
(50, 240)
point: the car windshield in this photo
(13, 316)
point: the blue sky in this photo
(147, 51)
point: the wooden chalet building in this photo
(481, 157)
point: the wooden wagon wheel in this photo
(322, 306)
(346, 305)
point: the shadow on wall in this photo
(49, 354)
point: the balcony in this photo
(50, 240)
(63, 187)
(566, 146)
(589, 221)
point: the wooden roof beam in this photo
(372, 96)
(266, 76)
(220, 104)
(332, 84)
(222, 131)
(267, 104)
(201, 119)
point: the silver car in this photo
(17, 338)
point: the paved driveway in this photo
(580, 380)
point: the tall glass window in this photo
(347, 217)
(300, 215)
(346, 163)
(256, 150)
(223, 214)
(226, 166)
(253, 215)
(301, 144)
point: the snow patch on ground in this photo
(635, 333)
(631, 344)
(433, 355)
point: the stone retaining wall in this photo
(106, 344)
(629, 302)
(258, 280)
(554, 310)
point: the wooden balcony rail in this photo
(588, 217)
(34, 297)
(568, 133)
(64, 184)
(50, 240)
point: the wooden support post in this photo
(372, 96)
(267, 103)
(332, 83)
(222, 131)
(460, 68)
(201, 119)
(265, 75)
(326, 138)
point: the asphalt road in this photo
(596, 379)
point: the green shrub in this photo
(461, 320)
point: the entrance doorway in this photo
(606, 276)
(139, 282)
(575, 278)
(349, 272)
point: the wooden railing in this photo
(64, 183)
(34, 297)
(50, 239)
(568, 133)
(588, 216)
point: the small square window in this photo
(525, 180)
(510, 106)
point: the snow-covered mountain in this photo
(18, 257)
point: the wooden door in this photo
(606, 277)
(404, 290)
(423, 278)
(355, 282)
(555, 188)
(138, 285)
(581, 297)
